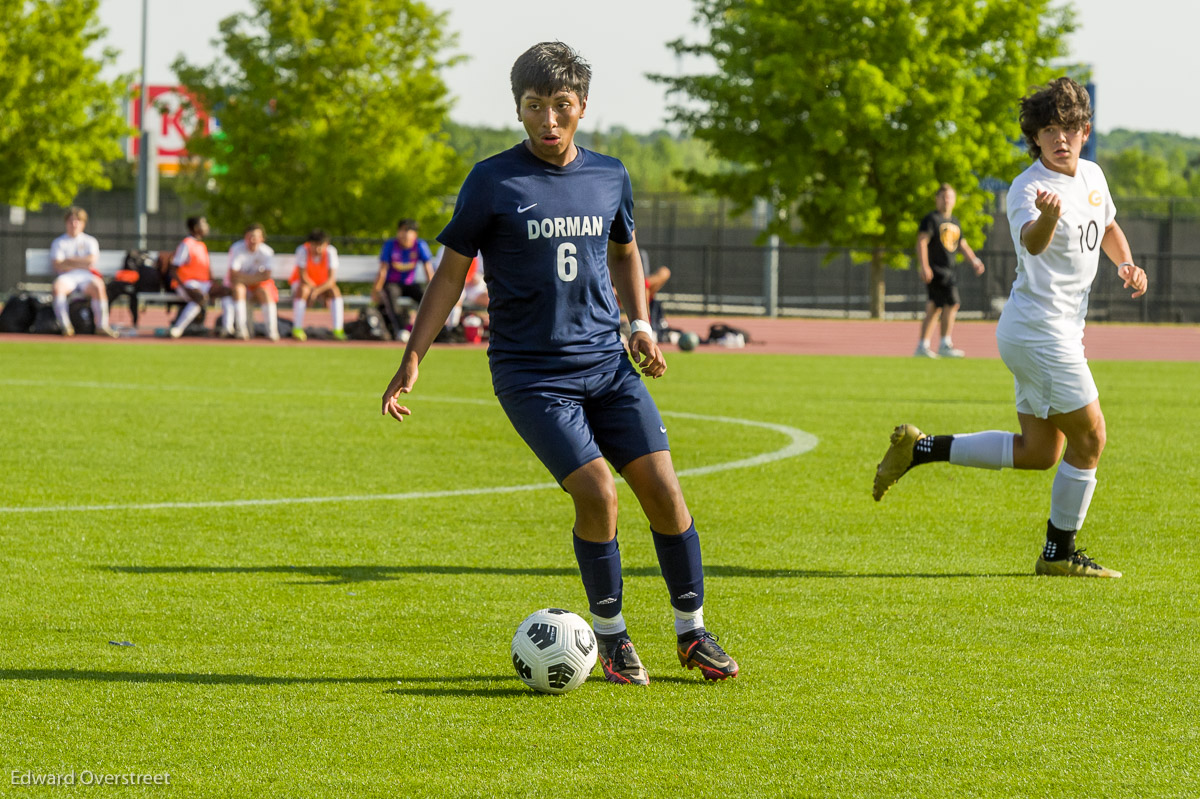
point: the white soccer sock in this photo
(298, 307)
(946, 342)
(228, 312)
(610, 626)
(239, 314)
(189, 312)
(338, 309)
(989, 450)
(687, 621)
(271, 312)
(1071, 496)
(62, 312)
(100, 313)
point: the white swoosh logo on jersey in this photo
(523, 209)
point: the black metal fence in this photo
(719, 265)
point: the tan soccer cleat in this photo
(897, 460)
(1076, 564)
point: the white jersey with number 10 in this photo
(1050, 294)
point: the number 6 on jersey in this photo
(568, 267)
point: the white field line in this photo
(799, 443)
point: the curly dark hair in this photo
(549, 67)
(1063, 101)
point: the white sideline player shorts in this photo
(1049, 378)
(203, 286)
(75, 280)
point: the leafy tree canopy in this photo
(332, 115)
(846, 114)
(59, 122)
(657, 162)
(1149, 164)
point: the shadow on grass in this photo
(91, 675)
(507, 687)
(344, 575)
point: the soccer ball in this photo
(688, 341)
(553, 651)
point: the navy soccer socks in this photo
(683, 570)
(600, 568)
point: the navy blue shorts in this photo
(571, 421)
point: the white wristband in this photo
(638, 326)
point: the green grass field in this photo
(359, 647)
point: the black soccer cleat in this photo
(704, 653)
(621, 663)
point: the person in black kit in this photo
(938, 239)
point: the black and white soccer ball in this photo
(554, 651)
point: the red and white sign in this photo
(172, 114)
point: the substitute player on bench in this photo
(190, 275)
(552, 220)
(249, 275)
(1061, 214)
(314, 277)
(73, 256)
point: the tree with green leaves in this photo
(332, 115)
(1134, 173)
(845, 115)
(59, 121)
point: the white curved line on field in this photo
(799, 443)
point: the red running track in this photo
(803, 337)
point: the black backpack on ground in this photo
(368, 327)
(20, 309)
(44, 322)
(82, 318)
(720, 330)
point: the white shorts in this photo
(475, 295)
(1049, 378)
(203, 286)
(75, 280)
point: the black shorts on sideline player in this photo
(943, 294)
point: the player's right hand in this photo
(1048, 203)
(402, 383)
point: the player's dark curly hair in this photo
(550, 67)
(1061, 102)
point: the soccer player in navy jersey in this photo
(553, 221)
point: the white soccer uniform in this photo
(1040, 333)
(242, 260)
(79, 246)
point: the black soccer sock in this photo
(682, 568)
(931, 449)
(1060, 544)
(600, 568)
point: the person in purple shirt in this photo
(554, 223)
(399, 261)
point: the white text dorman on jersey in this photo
(563, 226)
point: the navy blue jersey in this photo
(543, 231)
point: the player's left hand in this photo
(1134, 277)
(647, 355)
(402, 383)
(977, 265)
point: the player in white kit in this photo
(1061, 215)
(250, 263)
(73, 256)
